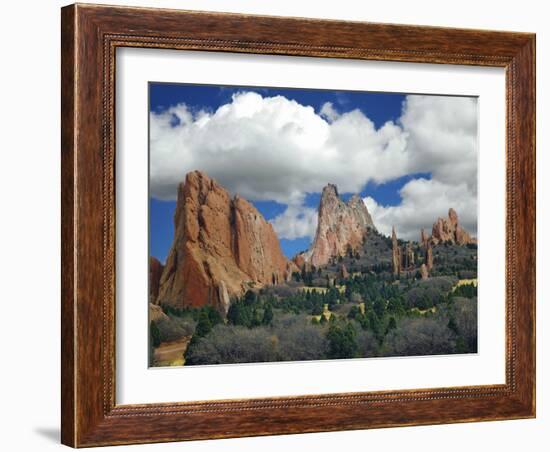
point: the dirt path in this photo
(171, 353)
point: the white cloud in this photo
(423, 201)
(328, 112)
(442, 136)
(295, 222)
(273, 148)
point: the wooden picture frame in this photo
(90, 36)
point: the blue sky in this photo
(378, 107)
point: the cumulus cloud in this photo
(442, 136)
(328, 111)
(273, 148)
(295, 222)
(423, 201)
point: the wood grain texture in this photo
(68, 147)
(90, 36)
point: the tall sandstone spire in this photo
(396, 256)
(429, 258)
(423, 238)
(341, 226)
(221, 246)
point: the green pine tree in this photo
(203, 326)
(155, 334)
(268, 315)
(392, 325)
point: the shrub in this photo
(463, 311)
(300, 342)
(353, 312)
(155, 334)
(466, 291)
(419, 336)
(367, 344)
(342, 341)
(267, 316)
(204, 326)
(174, 328)
(233, 344)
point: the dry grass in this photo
(171, 353)
(463, 282)
(424, 311)
(341, 288)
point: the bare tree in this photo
(233, 344)
(419, 336)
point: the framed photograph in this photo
(281, 225)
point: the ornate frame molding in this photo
(90, 37)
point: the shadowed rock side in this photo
(155, 272)
(340, 226)
(448, 230)
(222, 246)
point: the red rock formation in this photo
(156, 313)
(299, 260)
(221, 247)
(408, 256)
(341, 226)
(344, 272)
(423, 238)
(396, 253)
(155, 272)
(424, 272)
(449, 230)
(429, 257)
(257, 249)
(403, 257)
(291, 268)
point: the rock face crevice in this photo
(222, 246)
(341, 227)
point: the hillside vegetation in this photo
(321, 314)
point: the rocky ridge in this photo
(222, 246)
(341, 227)
(449, 230)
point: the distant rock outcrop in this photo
(221, 247)
(403, 256)
(341, 227)
(408, 257)
(155, 272)
(395, 253)
(429, 258)
(344, 274)
(449, 230)
(424, 272)
(291, 268)
(424, 238)
(299, 260)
